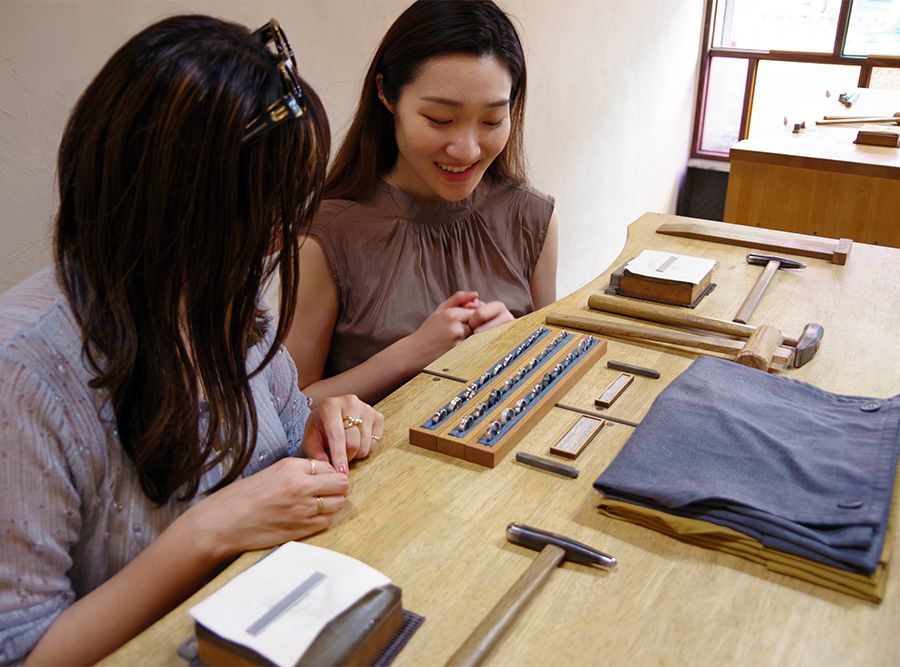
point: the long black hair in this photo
(168, 228)
(428, 28)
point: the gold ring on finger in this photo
(312, 466)
(320, 505)
(351, 422)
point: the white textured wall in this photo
(611, 86)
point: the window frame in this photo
(754, 57)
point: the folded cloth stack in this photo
(775, 470)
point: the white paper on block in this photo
(670, 266)
(238, 604)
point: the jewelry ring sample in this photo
(320, 505)
(312, 466)
(376, 438)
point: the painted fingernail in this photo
(342, 469)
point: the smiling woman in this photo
(428, 232)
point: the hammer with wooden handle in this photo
(772, 264)
(805, 345)
(553, 549)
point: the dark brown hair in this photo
(428, 28)
(164, 233)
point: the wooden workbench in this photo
(817, 182)
(435, 524)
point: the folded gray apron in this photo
(800, 469)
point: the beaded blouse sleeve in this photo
(40, 516)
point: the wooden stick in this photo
(488, 632)
(669, 315)
(834, 250)
(849, 121)
(629, 332)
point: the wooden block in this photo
(614, 390)
(355, 637)
(577, 437)
(877, 135)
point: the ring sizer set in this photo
(496, 409)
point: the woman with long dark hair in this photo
(428, 231)
(150, 420)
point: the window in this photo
(770, 63)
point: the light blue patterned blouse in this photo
(72, 512)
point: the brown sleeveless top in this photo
(395, 258)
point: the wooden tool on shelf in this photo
(805, 345)
(772, 265)
(834, 250)
(860, 119)
(756, 352)
(553, 550)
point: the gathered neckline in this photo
(425, 211)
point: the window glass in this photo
(885, 77)
(724, 103)
(793, 92)
(874, 28)
(777, 25)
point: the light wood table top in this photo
(828, 148)
(436, 524)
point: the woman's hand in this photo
(489, 315)
(289, 500)
(443, 329)
(341, 429)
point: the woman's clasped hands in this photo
(453, 321)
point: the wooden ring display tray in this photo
(504, 402)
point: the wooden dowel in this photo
(487, 633)
(670, 315)
(849, 121)
(630, 332)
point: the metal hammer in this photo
(553, 549)
(772, 264)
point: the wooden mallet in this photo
(805, 345)
(553, 549)
(758, 351)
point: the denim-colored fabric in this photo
(800, 469)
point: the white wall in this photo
(610, 92)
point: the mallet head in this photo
(537, 539)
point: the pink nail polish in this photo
(342, 469)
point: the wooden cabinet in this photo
(818, 182)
